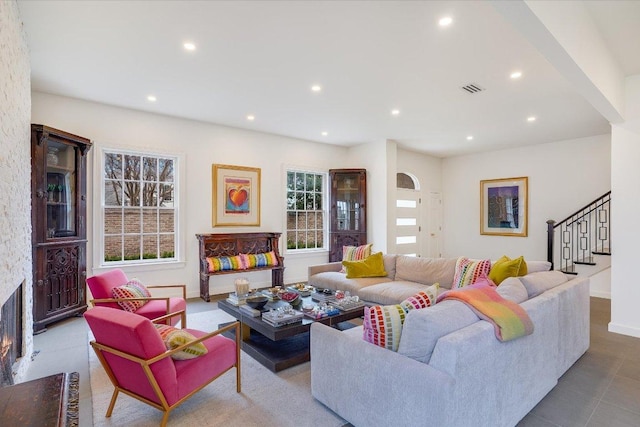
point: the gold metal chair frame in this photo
(183, 318)
(146, 367)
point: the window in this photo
(139, 207)
(404, 180)
(305, 210)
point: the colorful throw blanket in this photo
(510, 320)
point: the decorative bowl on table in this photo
(290, 297)
(257, 301)
(303, 289)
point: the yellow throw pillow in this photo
(372, 266)
(506, 267)
(523, 267)
(174, 338)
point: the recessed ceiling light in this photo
(469, 138)
(189, 46)
(395, 112)
(531, 119)
(316, 88)
(516, 74)
(445, 22)
(251, 117)
(325, 133)
(151, 98)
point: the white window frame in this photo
(325, 209)
(99, 225)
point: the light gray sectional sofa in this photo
(450, 370)
(406, 276)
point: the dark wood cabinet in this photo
(58, 221)
(348, 222)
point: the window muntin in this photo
(139, 209)
(306, 224)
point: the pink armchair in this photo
(101, 286)
(135, 358)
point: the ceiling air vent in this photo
(472, 88)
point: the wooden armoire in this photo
(348, 216)
(59, 226)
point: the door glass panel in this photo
(406, 203)
(61, 190)
(347, 206)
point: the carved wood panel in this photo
(61, 285)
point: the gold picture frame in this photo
(504, 205)
(236, 196)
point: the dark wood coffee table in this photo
(281, 347)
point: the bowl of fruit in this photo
(303, 289)
(290, 297)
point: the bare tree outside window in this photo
(305, 210)
(139, 210)
(124, 181)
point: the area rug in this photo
(267, 399)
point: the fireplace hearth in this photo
(10, 335)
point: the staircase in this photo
(582, 239)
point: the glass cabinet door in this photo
(347, 202)
(61, 190)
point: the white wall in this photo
(590, 65)
(426, 168)
(625, 194)
(202, 145)
(15, 172)
(563, 177)
(373, 158)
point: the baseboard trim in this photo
(600, 294)
(624, 330)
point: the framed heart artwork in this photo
(236, 196)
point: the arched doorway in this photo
(408, 215)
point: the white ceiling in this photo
(261, 58)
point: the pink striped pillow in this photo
(128, 291)
(355, 253)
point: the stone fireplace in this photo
(10, 335)
(16, 275)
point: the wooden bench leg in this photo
(204, 287)
(277, 276)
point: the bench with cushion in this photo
(233, 253)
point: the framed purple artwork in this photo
(503, 207)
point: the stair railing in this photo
(584, 233)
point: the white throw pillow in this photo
(512, 289)
(536, 266)
(537, 283)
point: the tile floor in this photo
(601, 389)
